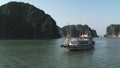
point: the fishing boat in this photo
(83, 42)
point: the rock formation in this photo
(113, 30)
(76, 30)
(20, 20)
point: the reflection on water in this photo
(48, 54)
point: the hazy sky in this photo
(97, 14)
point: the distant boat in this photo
(84, 41)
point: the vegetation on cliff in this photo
(113, 30)
(77, 30)
(20, 20)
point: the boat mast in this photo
(68, 33)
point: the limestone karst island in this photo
(20, 20)
(113, 30)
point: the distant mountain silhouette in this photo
(20, 20)
(77, 30)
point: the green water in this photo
(48, 54)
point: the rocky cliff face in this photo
(113, 30)
(21, 20)
(76, 30)
(94, 33)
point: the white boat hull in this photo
(79, 47)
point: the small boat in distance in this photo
(84, 41)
